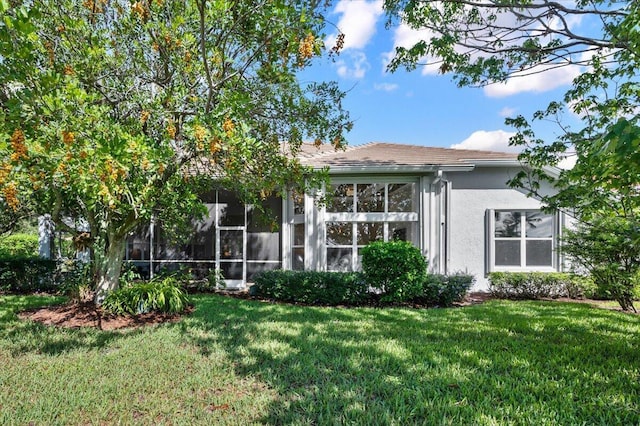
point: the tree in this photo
(488, 41)
(113, 110)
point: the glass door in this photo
(231, 254)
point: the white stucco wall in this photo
(472, 194)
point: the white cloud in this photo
(494, 140)
(354, 65)
(507, 112)
(538, 79)
(358, 22)
(385, 87)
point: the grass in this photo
(243, 362)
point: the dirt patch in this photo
(86, 314)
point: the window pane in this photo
(539, 225)
(298, 203)
(297, 263)
(539, 253)
(231, 270)
(339, 259)
(369, 232)
(507, 224)
(263, 246)
(402, 197)
(342, 200)
(265, 222)
(371, 197)
(403, 231)
(138, 245)
(231, 244)
(298, 234)
(507, 253)
(230, 209)
(339, 234)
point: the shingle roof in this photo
(380, 154)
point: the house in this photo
(455, 205)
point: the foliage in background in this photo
(114, 111)
(24, 275)
(28, 275)
(537, 285)
(486, 42)
(444, 290)
(609, 248)
(159, 295)
(312, 287)
(396, 268)
(18, 245)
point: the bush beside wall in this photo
(396, 268)
(350, 288)
(444, 290)
(536, 285)
(312, 287)
(18, 245)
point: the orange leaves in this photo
(18, 146)
(306, 48)
(10, 193)
(228, 126)
(68, 138)
(171, 130)
(144, 116)
(4, 173)
(215, 145)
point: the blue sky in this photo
(423, 107)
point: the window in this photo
(522, 240)
(363, 212)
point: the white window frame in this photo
(491, 239)
(386, 217)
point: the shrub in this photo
(312, 287)
(396, 268)
(28, 275)
(444, 290)
(163, 295)
(18, 245)
(536, 285)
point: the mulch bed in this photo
(86, 314)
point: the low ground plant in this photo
(161, 295)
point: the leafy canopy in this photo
(114, 110)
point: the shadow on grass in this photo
(501, 362)
(24, 336)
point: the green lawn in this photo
(241, 362)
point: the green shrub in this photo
(444, 290)
(312, 287)
(28, 275)
(396, 268)
(163, 295)
(18, 245)
(536, 285)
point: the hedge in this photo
(536, 285)
(444, 290)
(350, 288)
(18, 245)
(28, 275)
(312, 287)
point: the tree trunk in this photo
(108, 269)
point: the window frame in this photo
(386, 217)
(523, 267)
